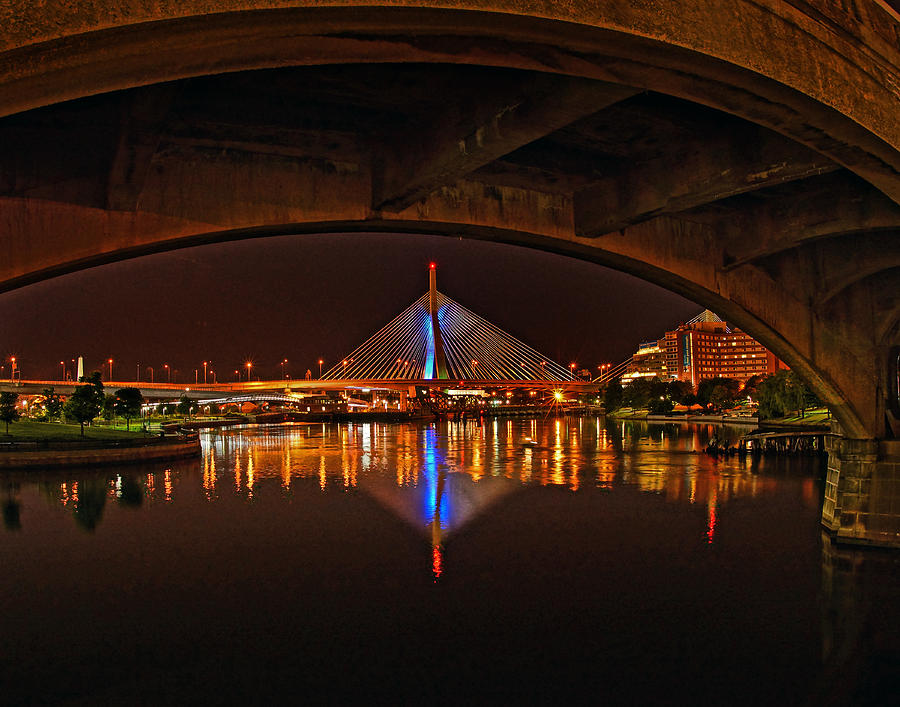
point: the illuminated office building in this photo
(704, 347)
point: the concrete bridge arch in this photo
(744, 153)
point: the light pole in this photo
(213, 374)
(249, 370)
(282, 368)
(320, 368)
(572, 370)
(12, 368)
(62, 369)
(138, 372)
(204, 372)
(168, 373)
(110, 362)
(196, 376)
(150, 368)
(237, 375)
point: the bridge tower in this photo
(436, 361)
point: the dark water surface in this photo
(516, 562)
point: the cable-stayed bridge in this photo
(437, 339)
(435, 342)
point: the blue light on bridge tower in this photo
(428, 373)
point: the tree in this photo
(681, 392)
(768, 398)
(109, 407)
(52, 403)
(96, 383)
(83, 405)
(661, 405)
(637, 394)
(810, 399)
(792, 392)
(612, 396)
(8, 410)
(781, 393)
(707, 386)
(128, 404)
(720, 398)
(658, 400)
(658, 388)
(751, 386)
(185, 404)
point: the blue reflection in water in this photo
(437, 508)
(429, 372)
(437, 502)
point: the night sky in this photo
(302, 297)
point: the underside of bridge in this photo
(745, 154)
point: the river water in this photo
(527, 561)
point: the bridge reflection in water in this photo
(588, 525)
(437, 479)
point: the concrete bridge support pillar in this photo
(862, 492)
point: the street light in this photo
(213, 374)
(150, 368)
(320, 367)
(282, 368)
(110, 362)
(62, 370)
(204, 372)
(168, 373)
(572, 370)
(249, 367)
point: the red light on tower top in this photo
(432, 266)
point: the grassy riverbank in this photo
(30, 431)
(814, 419)
(628, 414)
(819, 417)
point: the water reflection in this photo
(436, 478)
(586, 533)
(12, 510)
(84, 493)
